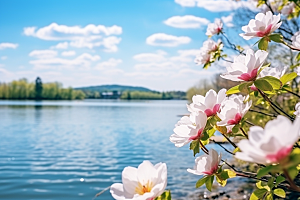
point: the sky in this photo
(149, 43)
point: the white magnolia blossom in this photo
(296, 39)
(188, 128)
(233, 110)
(206, 164)
(297, 110)
(276, 72)
(143, 183)
(209, 46)
(245, 68)
(271, 144)
(210, 104)
(214, 28)
(261, 26)
(288, 9)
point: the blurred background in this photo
(90, 87)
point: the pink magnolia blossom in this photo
(288, 9)
(143, 183)
(188, 128)
(245, 68)
(214, 28)
(209, 46)
(233, 110)
(210, 104)
(271, 144)
(206, 164)
(263, 25)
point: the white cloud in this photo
(111, 63)
(68, 53)
(81, 62)
(151, 57)
(90, 36)
(217, 5)
(187, 21)
(162, 39)
(8, 45)
(3, 57)
(185, 55)
(227, 20)
(61, 45)
(43, 53)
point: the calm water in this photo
(73, 150)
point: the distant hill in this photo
(110, 88)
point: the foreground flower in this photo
(214, 28)
(143, 183)
(263, 25)
(233, 110)
(272, 144)
(188, 129)
(276, 72)
(297, 108)
(296, 39)
(206, 164)
(210, 104)
(245, 68)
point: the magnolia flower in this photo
(233, 110)
(296, 39)
(261, 26)
(245, 68)
(276, 72)
(288, 9)
(209, 46)
(143, 183)
(210, 104)
(188, 128)
(214, 28)
(297, 108)
(272, 144)
(206, 164)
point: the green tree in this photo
(38, 88)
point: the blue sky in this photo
(82, 43)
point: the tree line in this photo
(22, 89)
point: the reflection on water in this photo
(74, 149)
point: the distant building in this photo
(111, 95)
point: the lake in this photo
(75, 149)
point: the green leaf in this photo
(279, 192)
(269, 196)
(262, 185)
(271, 182)
(279, 180)
(244, 87)
(295, 157)
(209, 182)
(263, 44)
(201, 181)
(274, 82)
(263, 85)
(276, 37)
(195, 147)
(293, 172)
(236, 128)
(233, 90)
(258, 194)
(221, 181)
(265, 170)
(165, 196)
(288, 77)
(298, 57)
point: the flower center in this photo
(236, 119)
(210, 112)
(195, 137)
(265, 32)
(280, 155)
(212, 170)
(251, 76)
(142, 189)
